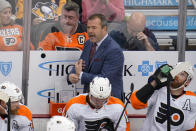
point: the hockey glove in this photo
(161, 76)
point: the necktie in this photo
(93, 50)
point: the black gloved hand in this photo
(161, 76)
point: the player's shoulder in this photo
(114, 100)
(24, 111)
(191, 94)
(80, 99)
(24, 108)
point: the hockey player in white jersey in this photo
(3, 110)
(154, 97)
(97, 110)
(21, 116)
(60, 123)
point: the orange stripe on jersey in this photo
(24, 111)
(79, 100)
(136, 103)
(60, 41)
(113, 100)
(190, 93)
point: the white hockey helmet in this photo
(11, 90)
(60, 123)
(100, 88)
(183, 66)
(4, 97)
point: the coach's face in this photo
(95, 31)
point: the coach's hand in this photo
(73, 78)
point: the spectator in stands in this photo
(97, 110)
(60, 123)
(112, 9)
(194, 3)
(66, 34)
(133, 35)
(13, 4)
(21, 116)
(10, 33)
(154, 96)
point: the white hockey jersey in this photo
(3, 125)
(20, 122)
(87, 118)
(182, 110)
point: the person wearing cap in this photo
(10, 33)
(153, 95)
(97, 109)
(21, 116)
(60, 123)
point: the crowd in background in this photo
(58, 27)
(100, 29)
(129, 31)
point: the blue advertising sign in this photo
(136, 3)
(169, 22)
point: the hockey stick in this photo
(168, 108)
(168, 104)
(127, 102)
(8, 118)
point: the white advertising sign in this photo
(139, 65)
(48, 72)
(47, 78)
(190, 56)
(11, 67)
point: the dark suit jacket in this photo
(107, 62)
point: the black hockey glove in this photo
(161, 76)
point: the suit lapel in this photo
(100, 50)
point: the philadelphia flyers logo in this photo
(176, 115)
(10, 41)
(99, 125)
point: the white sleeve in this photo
(124, 119)
(26, 127)
(72, 114)
(191, 119)
(122, 125)
(153, 98)
(24, 124)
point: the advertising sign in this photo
(147, 3)
(11, 67)
(169, 22)
(48, 75)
